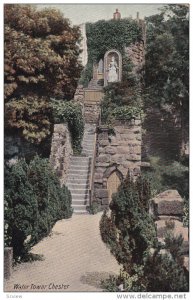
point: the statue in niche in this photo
(112, 70)
(112, 66)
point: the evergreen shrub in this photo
(34, 201)
(129, 231)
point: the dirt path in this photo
(75, 259)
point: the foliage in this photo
(86, 74)
(110, 284)
(167, 62)
(174, 244)
(94, 208)
(34, 202)
(41, 61)
(165, 175)
(124, 282)
(164, 274)
(71, 113)
(32, 116)
(132, 231)
(118, 102)
(130, 234)
(105, 35)
(186, 213)
(115, 34)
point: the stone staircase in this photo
(93, 84)
(78, 174)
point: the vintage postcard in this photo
(96, 148)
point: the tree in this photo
(164, 274)
(129, 231)
(41, 61)
(167, 63)
(34, 201)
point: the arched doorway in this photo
(113, 182)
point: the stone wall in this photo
(167, 210)
(91, 112)
(79, 94)
(61, 151)
(120, 152)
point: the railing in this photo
(92, 161)
(92, 169)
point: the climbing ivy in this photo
(121, 101)
(105, 35)
(71, 113)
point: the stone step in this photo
(81, 158)
(77, 167)
(79, 164)
(89, 143)
(90, 131)
(85, 150)
(88, 147)
(88, 135)
(72, 173)
(78, 177)
(72, 186)
(79, 191)
(88, 152)
(78, 174)
(80, 198)
(77, 181)
(88, 140)
(80, 212)
(80, 202)
(86, 144)
(79, 206)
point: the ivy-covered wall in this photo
(105, 35)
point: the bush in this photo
(94, 208)
(165, 175)
(164, 274)
(34, 201)
(121, 101)
(130, 234)
(129, 231)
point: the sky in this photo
(82, 13)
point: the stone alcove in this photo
(112, 66)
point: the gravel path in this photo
(75, 259)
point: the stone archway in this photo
(113, 182)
